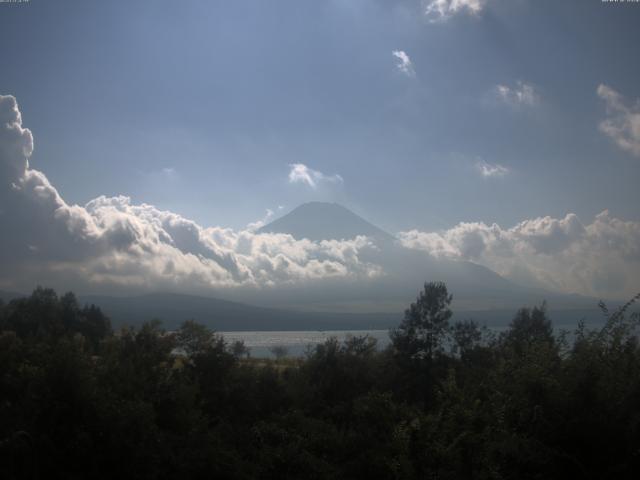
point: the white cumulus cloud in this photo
(600, 258)
(404, 64)
(111, 242)
(622, 124)
(300, 173)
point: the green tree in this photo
(239, 350)
(194, 338)
(426, 324)
(466, 336)
(279, 351)
(529, 328)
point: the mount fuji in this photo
(404, 271)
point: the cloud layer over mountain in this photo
(601, 258)
(111, 242)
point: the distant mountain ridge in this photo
(319, 221)
(224, 316)
(7, 296)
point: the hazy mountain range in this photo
(223, 315)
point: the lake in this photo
(296, 342)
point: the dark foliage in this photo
(426, 323)
(443, 401)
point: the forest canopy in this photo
(443, 400)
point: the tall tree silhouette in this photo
(425, 324)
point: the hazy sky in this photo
(201, 107)
(417, 115)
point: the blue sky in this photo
(200, 107)
(416, 114)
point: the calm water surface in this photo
(297, 342)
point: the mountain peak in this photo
(325, 221)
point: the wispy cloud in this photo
(441, 10)
(258, 224)
(404, 63)
(489, 170)
(300, 173)
(622, 124)
(520, 95)
(268, 216)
